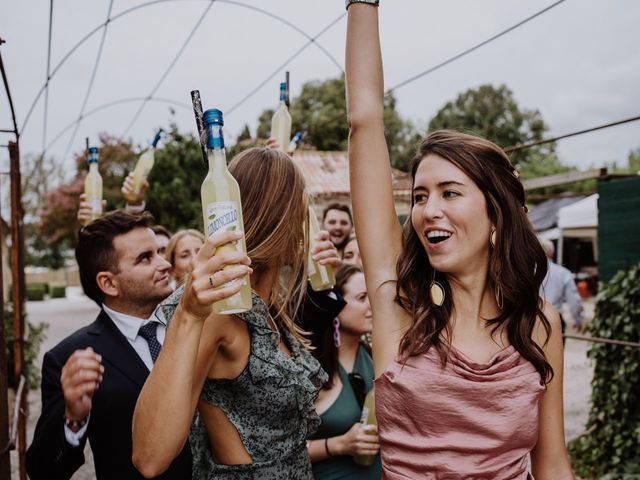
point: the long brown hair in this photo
(517, 263)
(275, 206)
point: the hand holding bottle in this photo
(128, 190)
(210, 281)
(273, 144)
(324, 251)
(85, 210)
(359, 440)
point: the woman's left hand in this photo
(324, 251)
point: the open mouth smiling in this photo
(437, 236)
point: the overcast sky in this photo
(578, 63)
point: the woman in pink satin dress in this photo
(468, 359)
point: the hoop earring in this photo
(499, 297)
(436, 292)
(492, 237)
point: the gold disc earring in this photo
(436, 292)
(492, 237)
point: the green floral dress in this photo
(271, 405)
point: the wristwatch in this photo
(348, 3)
(75, 425)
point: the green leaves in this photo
(612, 443)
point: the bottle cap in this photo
(213, 116)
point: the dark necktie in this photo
(148, 332)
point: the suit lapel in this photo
(116, 350)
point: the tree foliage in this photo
(611, 447)
(492, 113)
(320, 111)
(173, 196)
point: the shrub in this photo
(33, 340)
(611, 447)
(35, 292)
(57, 290)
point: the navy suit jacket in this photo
(109, 432)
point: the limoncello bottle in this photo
(221, 206)
(281, 121)
(321, 277)
(143, 167)
(294, 142)
(93, 185)
(368, 417)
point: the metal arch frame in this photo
(154, 2)
(113, 104)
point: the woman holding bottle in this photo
(347, 360)
(248, 375)
(181, 250)
(468, 358)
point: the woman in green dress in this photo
(346, 358)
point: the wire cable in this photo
(170, 67)
(46, 92)
(131, 10)
(93, 77)
(112, 104)
(516, 148)
(284, 64)
(472, 49)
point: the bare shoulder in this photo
(540, 334)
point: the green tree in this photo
(494, 114)
(320, 111)
(173, 196)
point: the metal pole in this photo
(17, 276)
(5, 457)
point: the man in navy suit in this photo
(91, 380)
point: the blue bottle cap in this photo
(213, 116)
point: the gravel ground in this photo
(64, 316)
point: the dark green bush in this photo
(35, 292)
(57, 290)
(32, 343)
(611, 447)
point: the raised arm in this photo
(168, 399)
(379, 231)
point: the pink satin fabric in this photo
(466, 421)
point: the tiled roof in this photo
(327, 174)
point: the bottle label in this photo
(96, 205)
(223, 216)
(365, 415)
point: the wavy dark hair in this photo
(517, 263)
(322, 341)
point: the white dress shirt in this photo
(129, 327)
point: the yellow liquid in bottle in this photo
(281, 125)
(93, 191)
(222, 210)
(140, 173)
(321, 277)
(368, 417)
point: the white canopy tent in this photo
(579, 220)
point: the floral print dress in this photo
(271, 405)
